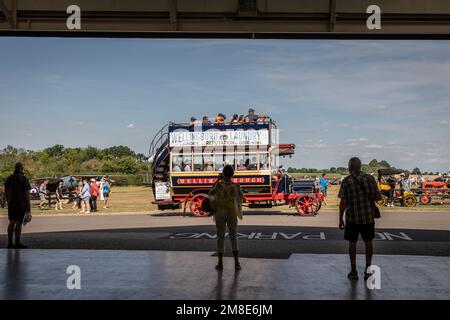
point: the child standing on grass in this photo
(77, 201)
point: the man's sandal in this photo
(353, 275)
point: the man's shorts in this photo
(16, 213)
(324, 192)
(106, 195)
(42, 197)
(352, 232)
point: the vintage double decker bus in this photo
(186, 161)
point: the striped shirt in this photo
(360, 202)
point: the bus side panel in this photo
(250, 183)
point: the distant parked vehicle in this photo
(437, 189)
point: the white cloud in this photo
(313, 144)
(443, 122)
(131, 126)
(392, 142)
(362, 139)
(381, 107)
(374, 146)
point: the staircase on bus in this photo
(159, 155)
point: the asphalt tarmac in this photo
(271, 237)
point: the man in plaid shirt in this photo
(358, 194)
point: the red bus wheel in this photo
(196, 205)
(307, 206)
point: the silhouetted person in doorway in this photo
(358, 194)
(226, 201)
(17, 190)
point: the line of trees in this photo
(370, 167)
(58, 160)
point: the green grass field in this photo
(138, 199)
(122, 200)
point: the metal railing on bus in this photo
(158, 140)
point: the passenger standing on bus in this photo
(226, 201)
(251, 117)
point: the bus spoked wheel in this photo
(196, 205)
(307, 206)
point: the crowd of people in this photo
(221, 119)
(89, 191)
(86, 195)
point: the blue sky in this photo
(334, 99)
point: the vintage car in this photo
(405, 198)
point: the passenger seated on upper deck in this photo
(253, 165)
(187, 166)
(220, 119)
(209, 166)
(241, 166)
(194, 122)
(235, 120)
(241, 119)
(262, 119)
(205, 121)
